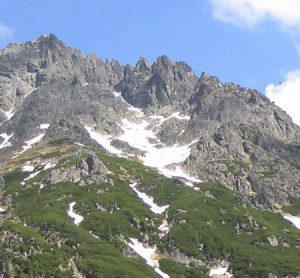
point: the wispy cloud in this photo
(250, 13)
(5, 32)
(287, 95)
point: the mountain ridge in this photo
(147, 171)
(241, 135)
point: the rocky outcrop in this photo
(179, 257)
(271, 240)
(91, 167)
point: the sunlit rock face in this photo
(187, 127)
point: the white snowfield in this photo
(293, 219)
(148, 200)
(77, 218)
(137, 135)
(44, 126)
(148, 254)
(2, 209)
(6, 142)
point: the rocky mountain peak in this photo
(163, 63)
(50, 41)
(143, 65)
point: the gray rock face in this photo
(95, 165)
(245, 142)
(179, 257)
(92, 166)
(165, 83)
(271, 240)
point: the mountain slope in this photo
(203, 229)
(104, 162)
(244, 141)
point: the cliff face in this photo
(243, 140)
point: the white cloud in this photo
(287, 95)
(249, 13)
(5, 32)
(285, 13)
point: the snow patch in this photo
(30, 143)
(79, 144)
(6, 142)
(9, 114)
(117, 94)
(293, 219)
(175, 115)
(164, 228)
(93, 235)
(77, 218)
(2, 210)
(103, 140)
(47, 165)
(27, 168)
(219, 271)
(148, 254)
(148, 200)
(137, 110)
(31, 176)
(131, 108)
(44, 126)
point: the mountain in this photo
(128, 147)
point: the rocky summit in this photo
(109, 170)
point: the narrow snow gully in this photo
(149, 200)
(140, 135)
(77, 217)
(29, 143)
(6, 139)
(148, 254)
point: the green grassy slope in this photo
(203, 225)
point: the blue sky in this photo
(255, 50)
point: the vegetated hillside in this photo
(194, 231)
